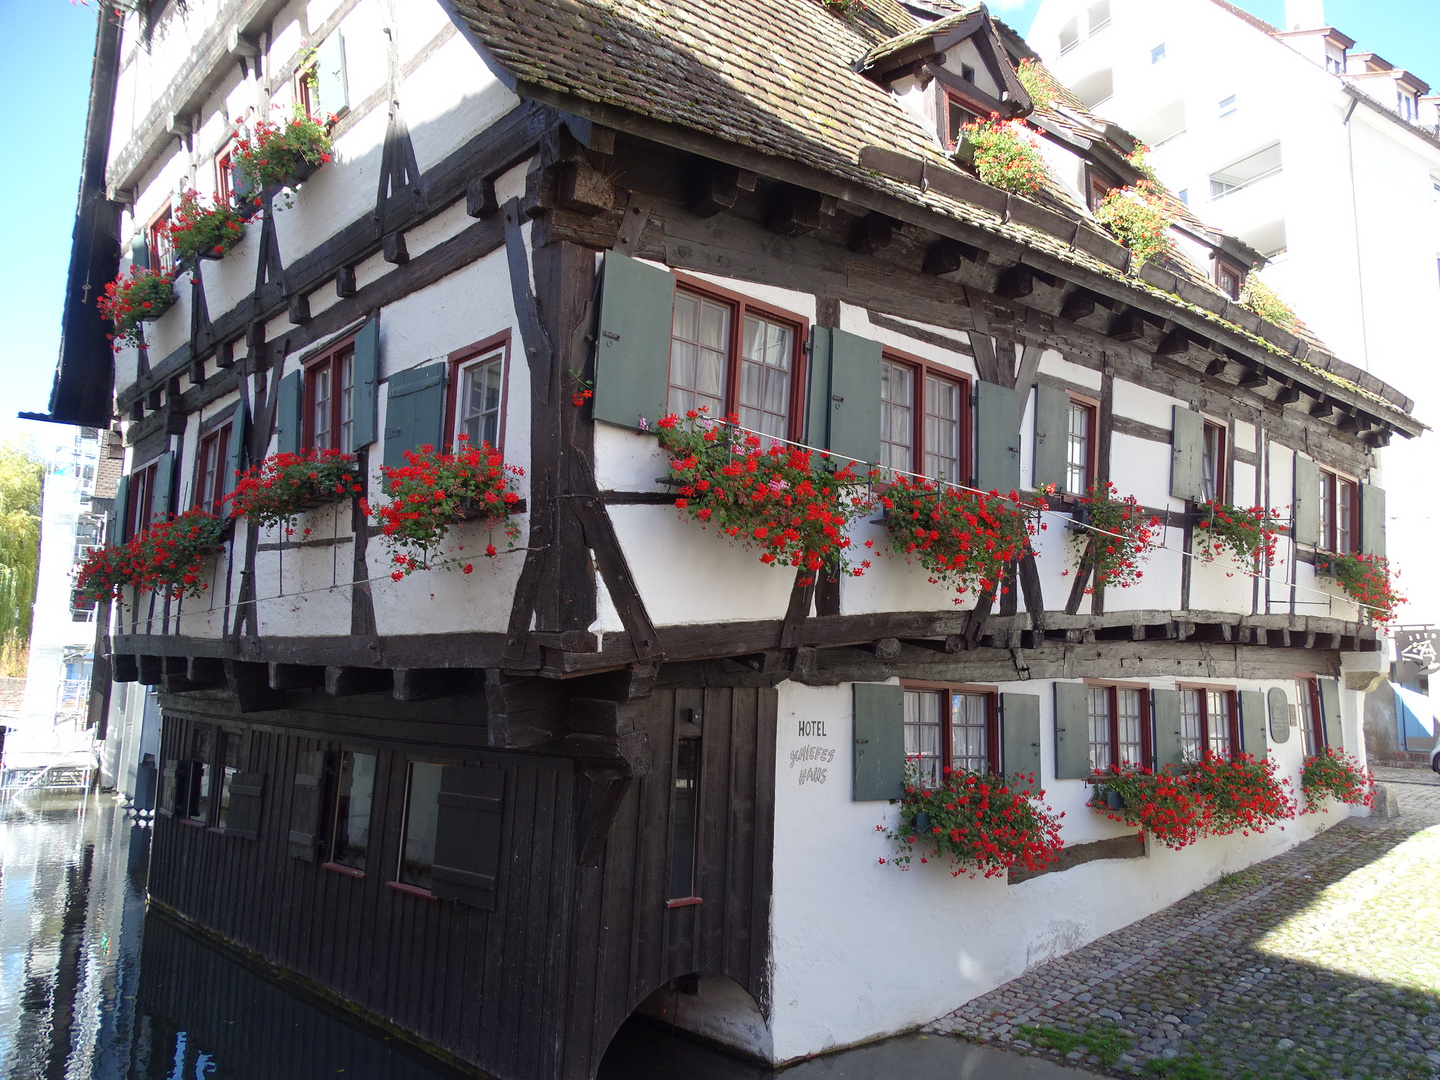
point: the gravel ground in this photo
(1322, 962)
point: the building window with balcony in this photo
(1228, 106)
(1246, 171)
(924, 419)
(1339, 512)
(1209, 723)
(1119, 715)
(139, 499)
(729, 355)
(1099, 16)
(1069, 36)
(951, 727)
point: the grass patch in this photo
(1187, 1067)
(1106, 1041)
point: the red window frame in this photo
(1097, 186)
(157, 239)
(1232, 720)
(1147, 743)
(210, 458)
(1312, 719)
(462, 359)
(1339, 505)
(958, 113)
(304, 92)
(920, 372)
(947, 733)
(138, 497)
(224, 173)
(1092, 442)
(741, 306)
(1220, 435)
(332, 364)
(1229, 278)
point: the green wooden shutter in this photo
(1052, 430)
(817, 399)
(243, 817)
(121, 513)
(366, 400)
(414, 411)
(997, 437)
(307, 805)
(1252, 724)
(1072, 731)
(1165, 707)
(632, 363)
(1372, 519)
(333, 89)
(468, 828)
(879, 733)
(854, 412)
(1306, 500)
(1020, 735)
(288, 415)
(140, 252)
(1187, 454)
(169, 785)
(162, 494)
(235, 448)
(1330, 713)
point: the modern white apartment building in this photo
(1322, 157)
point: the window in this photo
(210, 464)
(1228, 107)
(1099, 16)
(1157, 53)
(228, 186)
(231, 747)
(1080, 446)
(1230, 278)
(1209, 723)
(1339, 512)
(930, 435)
(330, 399)
(755, 373)
(951, 727)
(1248, 170)
(1097, 186)
(1184, 196)
(1434, 188)
(1069, 36)
(1212, 462)
(959, 116)
(157, 240)
(477, 383)
(193, 802)
(1119, 725)
(1407, 105)
(684, 816)
(1334, 59)
(354, 794)
(422, 810)
(307, 79)
(138, 499)
(967, 73)
(1312, 723)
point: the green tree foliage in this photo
(21, 474)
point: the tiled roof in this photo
(901, 42)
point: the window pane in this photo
(897, 416)
(764, 403)
(422, 806)
(1327, 510)
(347, 400)
(230, 755)
(1192, 706)
(1099, 714)
(1303, 688)
(320, 406)
(942, 429)
(682, 825)
(969, 727)
(700, 344)
(1219, 723)
(1210, 462)
(353, 798)
(922, 733)
(1077, 451)
(480, 394)
(1346, 496)
(1132, 718)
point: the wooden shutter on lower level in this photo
(1372, 519)
(1020, 735)
(1252, 724)
(1165, 707)
(288, 414)
(307, 806)
(1306, 498)
(1052, 431)
(1187, 454)
(162, 500)
(235, 448)
(632, 358)
(118, 524)
(243, 817)
(1330, 713)
(366, 400)
(879, 732)
(853, 426)
(817, 394)
(1072, 731)
(997, 437)
(169, 787)
(468, 835)
(414, 411)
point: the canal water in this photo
(94, 988)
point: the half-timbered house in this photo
(624, 765)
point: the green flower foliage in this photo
(1265, 302)
(1004, 155)
(1138, 218)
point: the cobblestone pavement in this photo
(1322, 962)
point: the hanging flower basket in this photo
(1243, 795)
(791, 504)
(1333, 774)
(433, 492)
(167, 558)
(965, 539)
(142, 296)
(284, 155)
(1119, 539)
(1247, 533)
(284, 485)
(1003, 153)
(1369, 581)
(200, 231)
(1160, 803)
(977, 822)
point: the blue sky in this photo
(45, 75)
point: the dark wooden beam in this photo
(580, 187)
(871, 234)
(1016, 282)
(298, 311)
(716, 186)
(1079, 304)
(795, 211)
(151, 669)
(1175, 343)
(345, 286)
(945, 256)
(124, 668)
(1288, 393)
(393, 250)
(480, 198)
(349, 681)
(205, 671)
(1126, 326)
(296, 676)
(1322, 408)
(418, 684)
(1216, 367)
(1253, 378)
(250, 683)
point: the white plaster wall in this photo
(451, 96)
(850, 961)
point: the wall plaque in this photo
(1279, 709)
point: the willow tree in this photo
(21, 474)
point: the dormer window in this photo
(967, 73)
(1334, 59)
(1408, 107)
(1230, 278)
(959, 116)
(1098, 185)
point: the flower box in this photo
(1326, 563)
(156, 311)
(284, 485)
